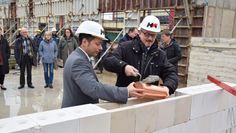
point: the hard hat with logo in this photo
(150, 23)
(54, 29)
(92, 28)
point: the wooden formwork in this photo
(183, 34)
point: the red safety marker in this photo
(222, 85)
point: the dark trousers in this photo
(26, 63)
(2, 77)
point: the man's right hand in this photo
(134, 92)
(131, 71)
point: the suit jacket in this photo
(81, 85)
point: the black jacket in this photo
(153, 62)
(173, 52)
(4, 47)
(18, 50)
(125, 38)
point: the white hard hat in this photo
(54, 29)
(150, 23)
(92, 28)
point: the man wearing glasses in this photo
(24, 51)
(142, 56)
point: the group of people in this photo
(138, 53)
(28, 51)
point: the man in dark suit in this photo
(132, 33)
(81, 85)
(25, 57)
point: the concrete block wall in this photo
(215, 56)
(197, 109)
(213, 110)
(81, 119)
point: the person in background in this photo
(142, 56)
(37, 40)
(55, 36)
(4, 56)
(80, 83)
(171, 47)
(24, 51)
(66, 45)
(132, 33)
(48, 51)
(76, 37)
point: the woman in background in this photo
(67, 45)
(48, 51)
(4, 56)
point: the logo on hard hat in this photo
(151, 25)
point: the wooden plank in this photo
(217, 22)
(234, 27)
(227, 23)
(210, 16)
(187, 12)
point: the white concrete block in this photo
(182, 109)
(97, 123)
(158, 115)
(219, 121)
(201, 125)
(85, 110)
(154, 116)
(211, 123)
(207, 99)
(20, 124)
(55, 121)
(91, 118)
(166, 113)
(123, 120)
(146, 117)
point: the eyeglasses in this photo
(147, 35)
